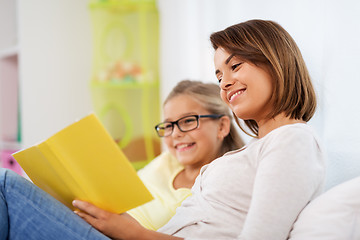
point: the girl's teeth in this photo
(183, 145)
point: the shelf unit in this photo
(125, 79)
(10, 132)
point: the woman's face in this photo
(196, 147)
(245, 87)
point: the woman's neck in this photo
(266, 126)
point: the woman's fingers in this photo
(93, 215)
(90, 219)
(87, 208)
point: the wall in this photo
(328, 34)
(55, 61)
(341, 84)
(55, 41)
(192, 22)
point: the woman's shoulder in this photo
(290, 131)
(294, 127)
(292, 139)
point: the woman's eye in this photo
(233, 67)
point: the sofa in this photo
(335, 214)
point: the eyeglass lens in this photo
(184, 124)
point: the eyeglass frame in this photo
(214, 116)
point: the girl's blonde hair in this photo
(208, 95)
(268, 45)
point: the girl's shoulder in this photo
(164, 164)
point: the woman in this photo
(258, 191)
(197, 129)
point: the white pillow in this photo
(333, 215)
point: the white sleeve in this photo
(290, 173)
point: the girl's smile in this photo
(196, 147)
(181, 147)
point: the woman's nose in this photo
(226, 82)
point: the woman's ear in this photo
(224, 127)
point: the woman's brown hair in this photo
(268, 45)
(208, 95)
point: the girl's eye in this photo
(233, 67)
(219, 79)
(189, 121)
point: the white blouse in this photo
(255, 192)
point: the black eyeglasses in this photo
(185, 124)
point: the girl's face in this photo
(196, 147)
(245, 87)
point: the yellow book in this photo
(83, 162)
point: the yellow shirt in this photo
(158, 177)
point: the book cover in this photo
(83, 162)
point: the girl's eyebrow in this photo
(182, 115)
(226, 62)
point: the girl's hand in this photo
(115, 226)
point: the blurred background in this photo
(49, 57)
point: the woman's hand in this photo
(115, 226)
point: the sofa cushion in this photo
(333, 215)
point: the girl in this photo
(197, 129)
(258, 191)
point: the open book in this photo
(83, 162)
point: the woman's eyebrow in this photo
(226, 62)
(229, 58)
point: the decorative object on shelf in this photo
(120, 71)
(7, 161)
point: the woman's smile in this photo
(235, 94)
